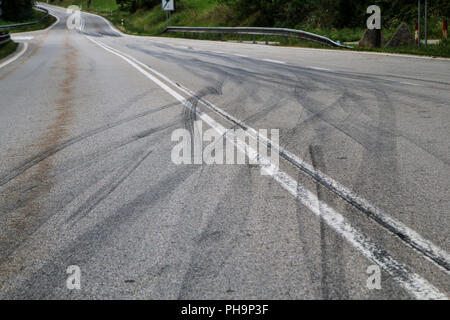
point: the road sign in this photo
(168, 5)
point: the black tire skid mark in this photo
(333, 283)
(214, 245)
(121, 174)
(119, 177)
(382, 163)
(51, 151)
(42, 283)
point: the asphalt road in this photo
(87, 178)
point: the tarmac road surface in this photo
(87, 176)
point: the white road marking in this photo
(411, 237)
(17, 56)
(241, 55)
(405, 82)
(417, 286)
(50, 27)
(319, 69)
(21, 38)
(431, 251)
(274, 61)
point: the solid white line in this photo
(410, 236)
(407, 234)
(411, 282)
(241, 55)
(51, 27)
(414, 239)
(20, 38)
(274, 61)
(17, 56)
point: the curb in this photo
(15, 55)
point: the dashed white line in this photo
(319, 69)
(405, 83)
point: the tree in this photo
(17, 10)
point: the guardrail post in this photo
(240, 37)
(267, 40)
(223, 37)
(253, 37)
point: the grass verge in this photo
(441, 49)
(196, 13)
(7, 49)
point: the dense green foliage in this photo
(345, 21)
(331, 13)
(133, 5)
(7, 48)
(313, 13)
(17, 10)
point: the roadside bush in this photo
(17, 10)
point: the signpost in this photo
(425, 23)
(168, 6)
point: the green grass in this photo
(37, 15)
(7, 48)
(192, 13)
(209, 13)
(436, 50)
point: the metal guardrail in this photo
(282, 32)
(4, 37)
(19, 25)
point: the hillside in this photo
(338, 19)
(343, 23)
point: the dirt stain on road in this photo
(23, 200)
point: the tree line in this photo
(331, 13)
(281, 13)
(17, 10)
(316, 13)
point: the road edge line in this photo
(16, 56)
